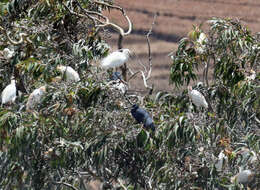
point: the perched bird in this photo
(118, 83)
(35, 98)
(201, 43)
(148, 123)
(197, 98)
(142, 116)
(244, 177)
(116, 76)
(222, 160)
(115, 59)
(70, 74)
(8, 54)
(202, 38)
(9, 93)
(120, 86)
(252, 75)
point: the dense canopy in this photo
(82, 131)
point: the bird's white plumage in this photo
(115, 59)
(197, 98)
(222, 159)
(35, 97)
(202, 38)
(8, 54)
(201, 43)
(70, 74)
(252, 76)
(9, 93)
(120, 86)
(244, 177)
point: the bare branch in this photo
(145, 78)
(133, 74)
(121, 31)
(121, 184)
(207, 70)
(149, 47)
(124, 66)
(104, 21)
(205, 73)
(23, 37)
(145, 81)
(65, 184)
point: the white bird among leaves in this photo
(197, 98)
(116, 59)
(35, 98)
(120, 86)
(70, 74)
(9, 93)
(252, 75)
(200, 46)
(244, 177)
(8, 54)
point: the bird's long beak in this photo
(124, 82)
(127, 107)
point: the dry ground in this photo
(175, 20)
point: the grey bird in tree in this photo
(142, 116)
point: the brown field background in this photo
(175, 20)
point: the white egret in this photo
(120, 86)
(35, 98)
(252, 75)
(201, 43)
(8, 54)
(197, 98)
(222, 159)
(118, 83)
(70, 74)
(9, 93)
(202, 38)
(244, 177)
(115, 59)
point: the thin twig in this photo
(105, 22)
(140, 62)
(121, 184)
(206, 74)
(149, 46)
(133, 74)
(23, 37)
(145, 78)
(65, 184)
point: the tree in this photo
(81, 131)
(231, 51)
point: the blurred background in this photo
(175, 19)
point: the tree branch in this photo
(65, 184)
(149, 47)
(23, 37)
(145, 78)
(121, 31)
(105, 22)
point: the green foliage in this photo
(83, 131)
(231, 51)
